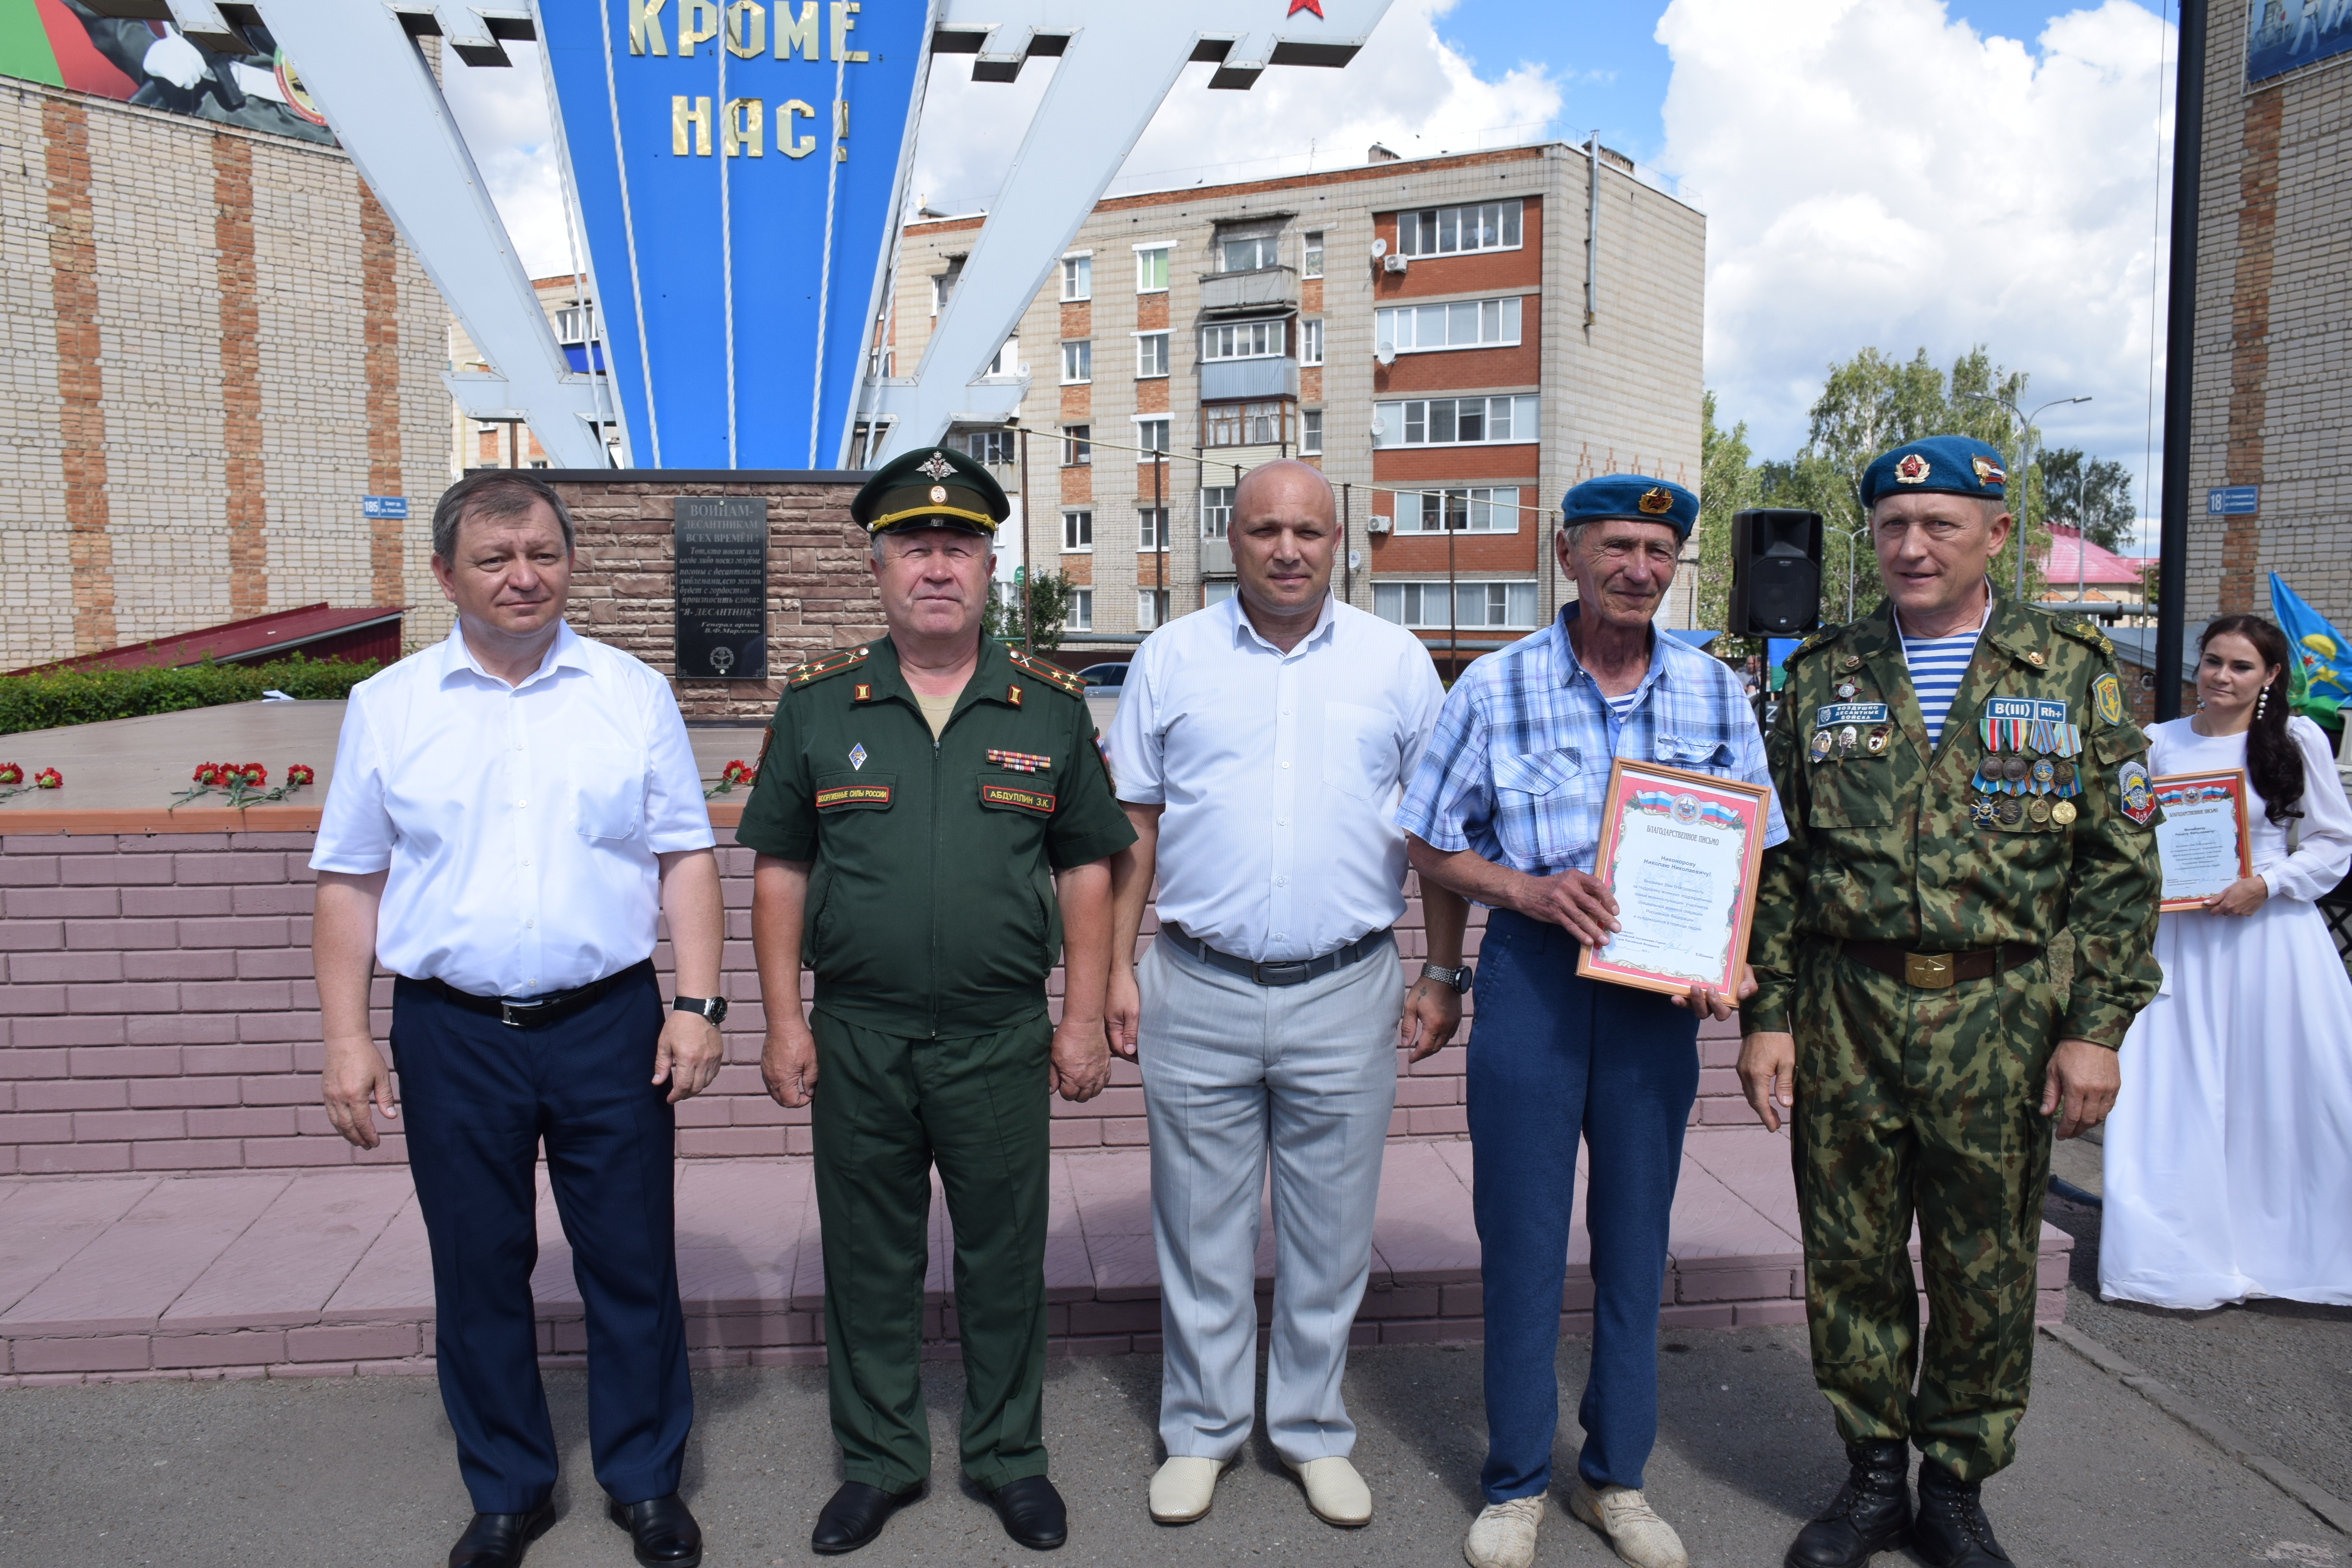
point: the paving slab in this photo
(45, 1223)
(129, 1275)
(288, 1264)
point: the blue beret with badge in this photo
(1633, 497)
(1943, 465)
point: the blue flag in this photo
(2322, 680)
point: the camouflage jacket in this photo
(1942, 850)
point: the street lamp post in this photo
(2025, 462)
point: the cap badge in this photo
(858, 755)
(1989, 472)
(937, 467)
(1912, 469)
(1655, 500)
(938, 494)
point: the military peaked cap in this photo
(1634, 498)
(934, 487)
(1943, 465)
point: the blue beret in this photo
(1633, 497)
(1947, 465)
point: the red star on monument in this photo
(1298, 5)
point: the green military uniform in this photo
(1918, 1092)
(931, 924)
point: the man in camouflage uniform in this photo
(1961, 782)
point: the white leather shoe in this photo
(1504, 1534)
(1182, 1488)
(1335, 1492)
(1632, 1527)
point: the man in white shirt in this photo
(509, 813)
(1258, 748)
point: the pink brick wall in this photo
(158, 1015)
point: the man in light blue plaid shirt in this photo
(1505, 809)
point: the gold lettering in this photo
(680, 117)
(644, 26)
(747, 29)
(845, 17)
(784, 141)
(801, 35)
(740, 126)
(697, 23)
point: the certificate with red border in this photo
(1679, 852)
(2202, 840)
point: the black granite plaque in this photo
(721, 587)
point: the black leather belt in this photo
(1290, 972)
(538, 1011)
(1939, 971)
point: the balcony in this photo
(1226, 380)
(1261, 288)
(1216, 558)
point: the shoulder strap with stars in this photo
(833, 663)
(1053, 675)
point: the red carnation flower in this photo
(253, 773)
(736, 772)
(10, 774)
(207, 773)
(49, 778)
(299, 774)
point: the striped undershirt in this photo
(1936, 665)
(1623, 706)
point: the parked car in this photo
(1107, 677)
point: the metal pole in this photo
(1028, 565)
(1347, 499)
(2179, 348)
(1453, 598)
(2081, 530)
(2025, 502)
(1159, 559)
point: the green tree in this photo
(2094, 494)
(1049, 608)
(1727, 484)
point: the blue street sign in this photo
(2233, 500)
(738, 169)
(394, 508)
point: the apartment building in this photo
(509, 443)
(1436, 334)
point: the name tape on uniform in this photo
(1025, 799)
(1834, 713)
(853, 795)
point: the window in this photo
(1477, 607)
(1310, 254)
(1450, 231)
(1310, 342)
(1078, 278)
(1475, 508)
(1243, 340)
(1464, 324)
(1216, 511)
(1151, 269)
(1248, 253)
(575, 324)
(1077, 532)
(943, 283)
(1152, 525)
(990, 446)
(1151, 608)
(1216, 591)
(1150, 355)
(1248, 424)
(1077, 446)
(1007, 361)
(1151, 436)
(1310, 430)
(1455, 421)
(1078, 360)
(1080, 615)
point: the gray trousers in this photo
(1231, 1069)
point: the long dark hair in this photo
(2272, 761)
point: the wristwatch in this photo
(1457, 979)
(713, 1008)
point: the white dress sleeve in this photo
(2324, 851)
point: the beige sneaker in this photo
(1182, 1488)
(1632, 1527)
(1504, 1534)
(1335, 1492)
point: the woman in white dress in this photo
(2228, 1156)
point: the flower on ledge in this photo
(298, 775)
(253, 773)
(10, 774)
(49, 778)
(210, 775)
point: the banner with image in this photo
(2282, 35)
(62, 43)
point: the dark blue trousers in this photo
(478, 1098)
(1552, 1056)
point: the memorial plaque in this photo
(720, 585)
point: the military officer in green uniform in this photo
(933, 823)
(1962, 783)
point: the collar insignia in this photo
(937, 467)
(1013, 695)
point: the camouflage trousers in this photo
(1926, 1104)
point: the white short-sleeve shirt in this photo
(519, 825)
(1277, 773)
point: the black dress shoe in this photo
(1952, 1530)
(500, 1540)
(1032, 1512)
(855, 1516)
(662, 1531)
(1871, 1513)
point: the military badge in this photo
(1822, 742)
(1845, 690)
(2039, 810)
(938, 468)
(1912, 470)
(2063, 812)
(2045, 773)
(1988, 472)
(2012, 812)
(1847, 737)
(938, 494)
(2108, 697)
(1655, 501)
(1878, 737)
(2065, 777)
(1983, 811)
(1019, 761)
(858, 755)
(2139, 794)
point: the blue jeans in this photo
(1552, 1056)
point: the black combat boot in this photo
(1871, 1513)
(1952, 1530)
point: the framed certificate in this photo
(2202, 839)
(1679, 852)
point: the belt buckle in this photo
(506, 1015)
(1294, 971)
(1928, 971)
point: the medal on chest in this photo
(2028, 742)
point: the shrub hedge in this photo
(47, 702)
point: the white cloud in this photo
(1875, 173)
(503, 112)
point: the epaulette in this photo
(1053, 675)
(2083, 631)
(832, 663)
(1820, 638)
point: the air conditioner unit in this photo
(1392, 263)
(1377, 524)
